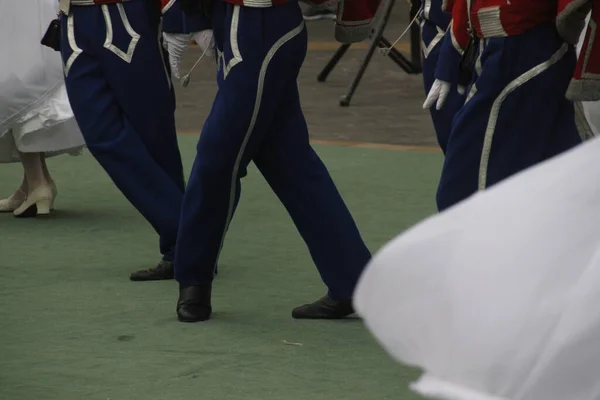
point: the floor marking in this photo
(332, 46)
(361, 145)
(379, 146)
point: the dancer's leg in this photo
(33, 165)
(50, 180)
(39, 195)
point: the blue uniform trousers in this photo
(515, 116)
(256, 116)
(121, 94)
(176, 21)
(432, 36)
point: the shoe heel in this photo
(44, 206)
(38, 202)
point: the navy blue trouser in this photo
(121, 94)
(515, 116)
(176, 21)
(432, 37)
(256, 116)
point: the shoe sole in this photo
(149, 279)
(191, 321)
(332, 317)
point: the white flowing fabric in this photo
(35, 114)
(497, 298)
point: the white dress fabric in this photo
(35, 114)
(497, 297)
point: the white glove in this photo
(176, 44)
(204, 39)
(439, 93)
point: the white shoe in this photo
(13, 202)
(54, 194)
(37, 203)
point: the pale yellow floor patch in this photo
(363, 145)
(333, 46)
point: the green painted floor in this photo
(73, 327)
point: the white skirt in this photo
(35, 113)
(497, 297)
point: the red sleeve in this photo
(570, 18)
(455, 42)
(460, 24)
(567, 7)
(355, 20)
(585, 85)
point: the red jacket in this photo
(497, 18)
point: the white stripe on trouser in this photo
(76, 50)
(259, 93)
(168, 6)
(234, 44)
(108, 42)
(426, 8)
(494, 113)
(478, 69)
(434, 42)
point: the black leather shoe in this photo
(324, 308)
(194, 303)
(163, 271)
